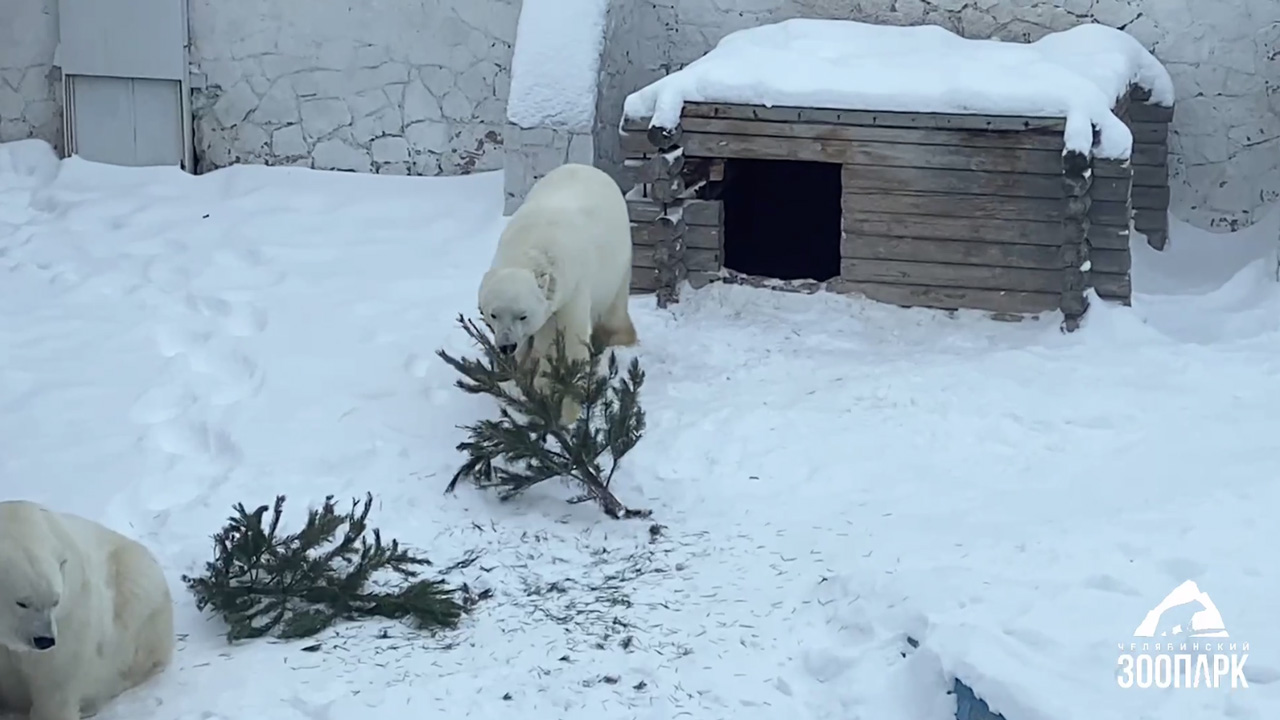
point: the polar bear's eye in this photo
(23, 605)
(523, 318)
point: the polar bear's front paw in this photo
(570, 411)
(542, 381)
(59, 710)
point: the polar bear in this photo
(563, 262)
(85, 614)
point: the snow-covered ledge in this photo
(569, 73)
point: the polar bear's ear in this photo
(547, 281)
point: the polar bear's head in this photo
(515, 303)
(31, 583)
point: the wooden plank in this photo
(658, 166)
(942, 275)
(1104, 212)
(1108, 237)
(1110, 261)
(634, 144)
(952, 206)
(1045, 162)
(694, 258)
(1121, 108)
(948, 298)
(983, 229)
(1151, 198)
(645, 281)
(1150, 176)
(1157, 237)
(1151, 219)
(939, 121)
(1113, 189)
(1049, 142)
(1149, 132)
(865, 179)
(952, 251)
(696, 212)
(1150, 154)
(864, 247)
(1110, 168)
(1154, 224)
(707, 237)
(637, 136)
(664, 229)
(1142, 112)
(1111, 285)
(704, 237)
(668, 190)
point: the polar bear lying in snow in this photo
(85, 614)
(562, 263)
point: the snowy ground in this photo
(833, 474)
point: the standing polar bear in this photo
(562, 263)
(85, 614)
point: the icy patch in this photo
(555, 65)
(1077, 74)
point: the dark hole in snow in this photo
(968, 705)
(971, 707)
(782, 219)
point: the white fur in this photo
(101, 596)
(562, 263)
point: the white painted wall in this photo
(1224, 56)
(390, 86)
(28, 85)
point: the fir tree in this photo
(528, 443)
(262, 582)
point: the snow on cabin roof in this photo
(1077, 74)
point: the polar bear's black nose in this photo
(43, 642)
(507, 349)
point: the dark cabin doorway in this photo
(782, 218)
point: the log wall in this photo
(947, 211)
(1150, 126)
(700, 226)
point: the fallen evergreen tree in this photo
(264, 582)
(528, 443)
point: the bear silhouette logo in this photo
(1205, 623)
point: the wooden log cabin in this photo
(936, 210)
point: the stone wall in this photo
(29, 85)
(534, 152)
(626, 68)
(409, 87)
(1224, 56)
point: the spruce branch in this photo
(297, 585)
(527, 443)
